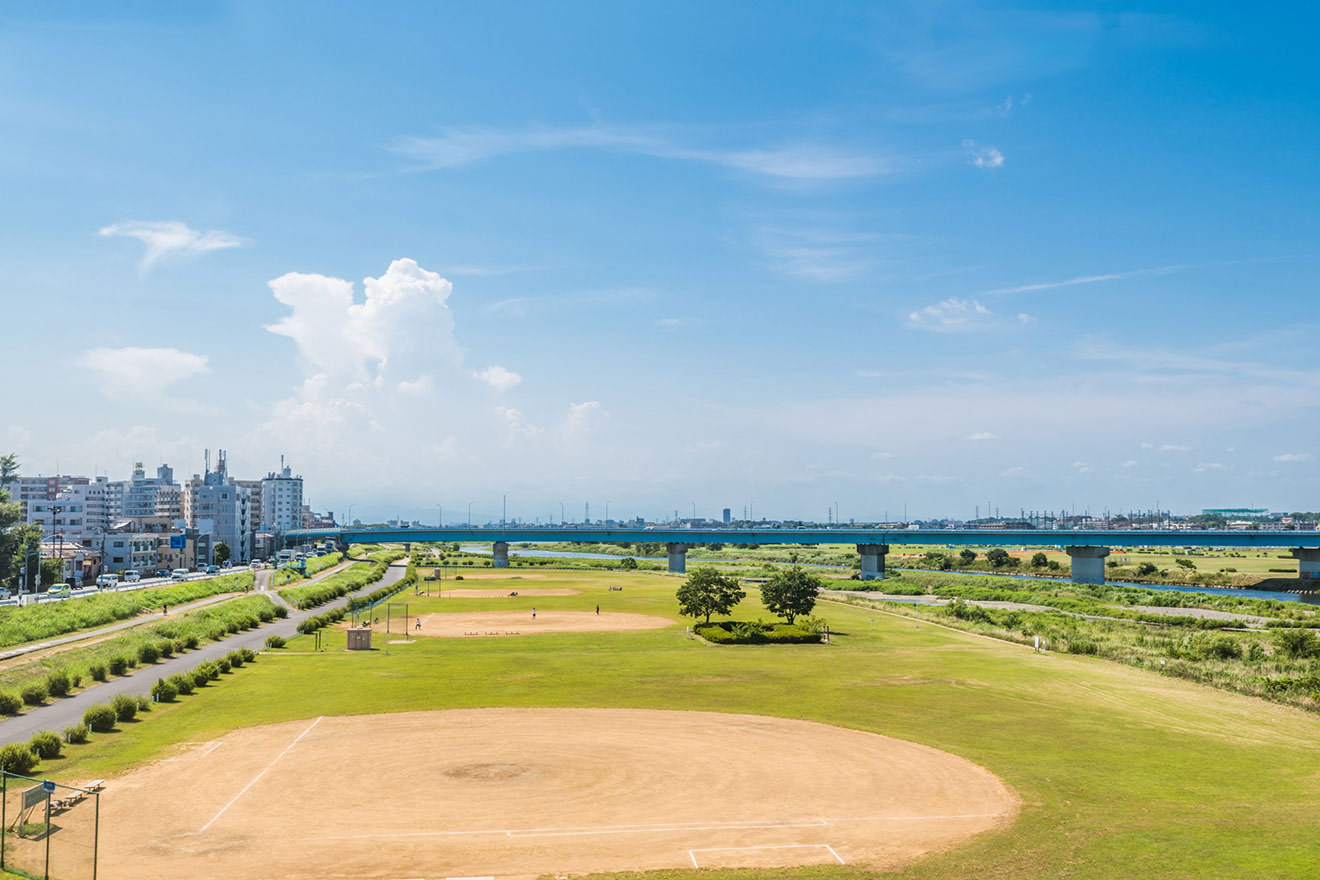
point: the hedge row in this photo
(349, 580)
(738, 632)
(312, 624)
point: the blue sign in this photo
(178, 542)
(48, 786)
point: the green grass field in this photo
(1122, 773)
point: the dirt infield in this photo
(500, 594)
(514, 793)
(492, 623)
(495, 575)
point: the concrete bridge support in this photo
(1308, 562)
(1088, 564)
(501, 553)
(677, 558)
(873, 561)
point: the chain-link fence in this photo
(50, 829)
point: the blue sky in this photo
(792, 255)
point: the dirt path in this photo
(517, 793)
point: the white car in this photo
(107, 582)
(179, 574)
(132, 576)
(4, 593)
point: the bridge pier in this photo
(873, 561)
(1308, 562)
(1088, 564)
(500, 550)
(677, 558)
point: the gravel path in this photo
(68, 711)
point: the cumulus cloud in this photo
(498, 377)
(170, 238)
(983, 155)
(142, 373)
(516, 426)
(953, 315)
(1294, 456)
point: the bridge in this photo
(1087, 549)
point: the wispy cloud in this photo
(982, 435)
(522, 306)
(1174, 447)
(457, 146)
(1208, 466)
(1083, 279)
(818, 254)
(1294, 456)
(170, 238)
(952, 315)
(983, 155)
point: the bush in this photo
(10, 704)
(144, 704)
(17, 758)
(118, 665)
(1225, 648)
(201, 676)
(191, 642)
(165, 648)
(34, 694)
(731, 632)
(266, 614)
(164, 691)
(124, 706)
(247, 654)
(97, 671)
(1255, 653)
(58, 683)
(222, 663)
(1039, 560)
(76, 735)
(1146, 569)
(46, 745)
(148, 654)
(101, 719)
(75, 681)
(1082, 646)
(1296, 644)
(275, 641)
(183, 684)
(234, 659)
(180, 646)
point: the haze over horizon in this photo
(795, 256)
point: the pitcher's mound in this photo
(521, 793)
(501, 623)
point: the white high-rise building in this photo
(76, 513)
(282, 501)
(217, 500)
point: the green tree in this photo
(628, 564)
(997, 556)
(708, 591)
(8, 469)
(1186, 563)
(967, 557)
(221, 553)
(790, 592)
(1297, 644)
(1039, 560)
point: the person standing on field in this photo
(597, 609)
(533, 614)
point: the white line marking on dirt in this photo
(261, 774)
(692, 852)
(581, 830)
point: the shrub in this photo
(217, 634)
(165, 648)
(1225, 648)
(148, 654)
(1255, 653)
(222, 663)
(180, 646)
(191, 642)
(46, 745)
(118, 665)
(164, 690)
(1039, 560)
(75, 681)
(183, 684)
(58, 683)
(101, 719)
(234, 659)
(281, 612)
(266, 615)
(76, 735)
(1082, 646)
(247, 654)
(275, 641)
(730, 632)
(1146, 569)
(1297, 644)
(10, 704)
(97, 671)
(17, 758)
(201, 676)
(144, 704)
(124, 707)
(34, 694)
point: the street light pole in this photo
(561, 513)
(469, 514)
(440, 517)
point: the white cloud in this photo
(516, 425)
(455, 147)
(1024, 318)
(1204, 466)
(881, 456)
(142, 373)
(1147, 445)
(1015, 471)
(1131, 462)
(498, 378)
(1294, 456)
(1174, 447)
(983, 156)
(982, 435)
(951, 316)
(670, 323)
(170, 238)
(1083, 279)
(583, 419)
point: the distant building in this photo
(216, 498)
(728, 515)
(282, 501)
(1230, 512)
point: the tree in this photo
(628, 564)
(8, 469)
(790, 592)
(1186, 563)
(997, 556)
(708, 591)
(221, 553)
(967, 557)
(1039, 560)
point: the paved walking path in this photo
(62, 713)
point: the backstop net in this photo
(50, 829)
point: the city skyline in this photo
(871, 258)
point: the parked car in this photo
(132, 576)
(212, 569)
(179, 574)
(4, 593)
(255, 565)
(60, 592)
(107, 582)
(162, 572)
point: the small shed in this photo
(359, 638)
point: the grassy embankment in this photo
(355, 577)
(315, 566)
(1122, 772)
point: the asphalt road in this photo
(66, 712)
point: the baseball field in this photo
(575, 746)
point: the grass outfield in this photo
(1122, 773)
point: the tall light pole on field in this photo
(469, 514)
(562, 520)
(439, 517)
